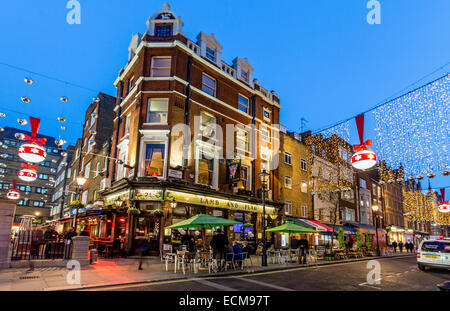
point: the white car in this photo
(434, 254)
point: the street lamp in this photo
(264, 175)
(80, 182)
(375, 209)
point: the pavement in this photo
(113, 273)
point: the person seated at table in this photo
(237, 250)
(247, 248)
(188, 240)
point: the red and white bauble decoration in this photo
(444, 206)
(28, 172)
(13, 193)
(363, 158)
(33, 150)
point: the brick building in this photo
(169, 83)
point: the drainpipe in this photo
(117, 131)
(186, 112)
(254, 144)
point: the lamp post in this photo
(80, 182)
(375, 212)
(264, 175)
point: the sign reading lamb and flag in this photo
(233, 170)
(218, 202)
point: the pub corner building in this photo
(156, 182)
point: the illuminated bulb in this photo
(399, 180)
(64, 154)
(22, 121)
(61, 119)
(2, 129)
(28, 81)
(19, 136)
(92, 131)
(2, 114)
(431, 175)
(419, 177)
(63, 127)
(60, 142)
(446, 172)
(96, 99)
(64, 99)
(25, 99)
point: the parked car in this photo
(434, 254)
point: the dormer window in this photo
(163, 31)
(210, 54)
(244, 75)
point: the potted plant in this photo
(134, 210)
(157, 212)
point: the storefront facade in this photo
(152, 206)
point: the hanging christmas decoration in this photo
(64, 99)
(28, 172)
(431, 175)
(25, 99)
(444, 206)
(364, 158)
(19, 136)
(446, 172)
(2, 129)
(61, 119)
(33, 150)
(28, 81)
(92, 131)
(419, 177)
(63, 127)
(96, 99)
(2, 114)
(22, 121)
(13, 193)
(60, 142)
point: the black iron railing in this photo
(26, 246)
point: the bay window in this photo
(157, 110)
(161, 66)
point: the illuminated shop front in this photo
(151, 210)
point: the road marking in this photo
(215, 285)
(267, 284)
(229, 277)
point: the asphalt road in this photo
(397, 274)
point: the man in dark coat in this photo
(303, 250)
(68, 242)
(50, 237)
(394, 245)
(218, 243)
(188, 240)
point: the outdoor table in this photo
(274, 254)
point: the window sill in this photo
(155, 123)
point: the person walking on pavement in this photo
(303, 250)
(50, 237)
(394, 245)
(218, 243)
(400, 246)
(68, 241)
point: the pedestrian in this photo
(142, 251)
(50, 237)
(37, 239)
(218, 243)
(303, 250)
(394, 245)
(237, 250)
(189, 240)
(247, 248)
(68, 242)
(400, 246)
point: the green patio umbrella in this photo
(289, 228)
(203, 221)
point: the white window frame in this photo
(239, 138)
(289, 156)
(304, 210)
(264, 129)
(200, 148)
(264, 116)
(301, 186)
(153, 137)
(203, 113)
(152, 66)
(303, 164)
(97, 169)
(288, 207)
(87, 170)
(288, 182)
(240, 104)
(207, 86)
(149, 103)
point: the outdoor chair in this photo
(229, 260)
(246, 257)
(284, 257)
(312, 256)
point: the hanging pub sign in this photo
(233, 170)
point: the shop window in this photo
(157, 110)
(154, 160)
(161, 66)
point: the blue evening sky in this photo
(321, 57)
